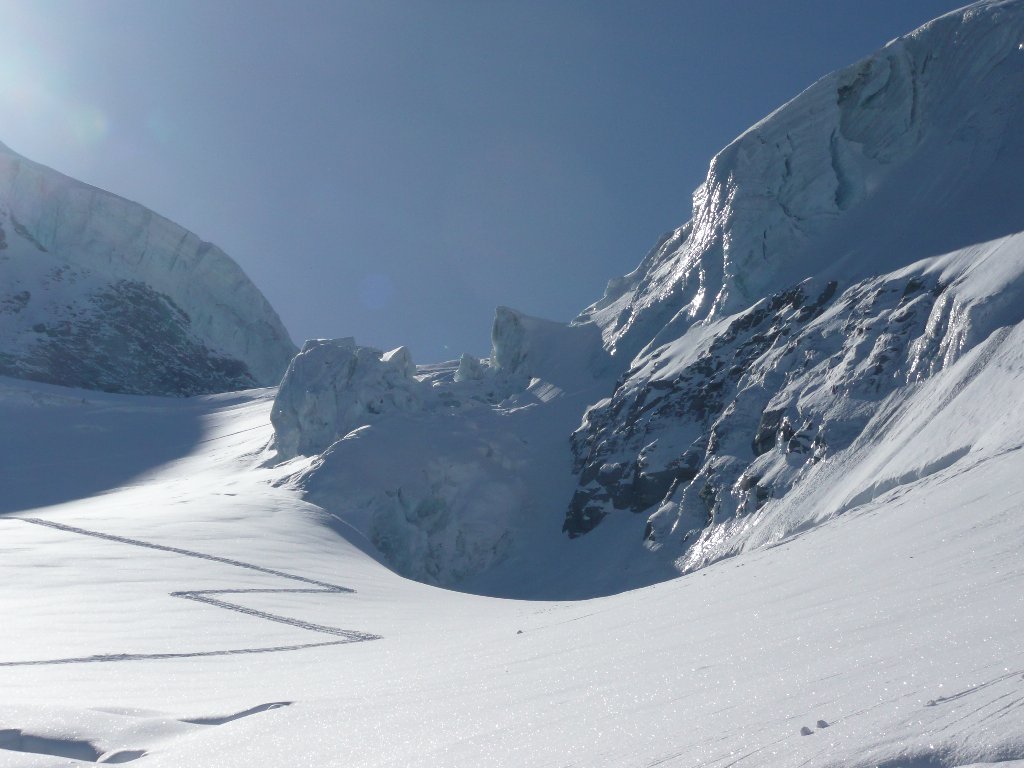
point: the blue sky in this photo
(394, 170)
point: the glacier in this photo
(439, 467)
(102, 293)
(849, 261)
(759, 505)
(857, 242)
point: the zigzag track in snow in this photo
(205, 596)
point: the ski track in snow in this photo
(205, 596)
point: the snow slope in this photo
(99, 292)
(890, 636)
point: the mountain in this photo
(795, 513)
(99, 292)
(839, 318)
(850, 285)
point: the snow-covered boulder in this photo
(334, 386)
(100, 292)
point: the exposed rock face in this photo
(99, 292)
(810, 294)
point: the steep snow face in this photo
(913, 152)
(99, 292)
(445, 468)
(728, 441)
(851, 270)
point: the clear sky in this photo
(394, 170)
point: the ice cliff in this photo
(910, 153)
(845, 256)
(99, 292)
(440, 467)
(840, 318)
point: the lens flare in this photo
(36, 97)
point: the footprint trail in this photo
(207, 596)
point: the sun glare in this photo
(37, 98)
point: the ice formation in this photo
(852, 263)
(100, 292)
(333, 386)
(438, 467)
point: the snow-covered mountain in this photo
(851, 275)
(99, 292)
(850, 286)
(672, 455)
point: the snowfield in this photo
(760, 505)
(890, 636)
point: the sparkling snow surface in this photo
(890, 636)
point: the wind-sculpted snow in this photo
(99, 292)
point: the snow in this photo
(897, 624)
(449, 470)
(908, 154)
(78, 265)
(759, 505)
(799, 405)
(844, 256)
(333, 386)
